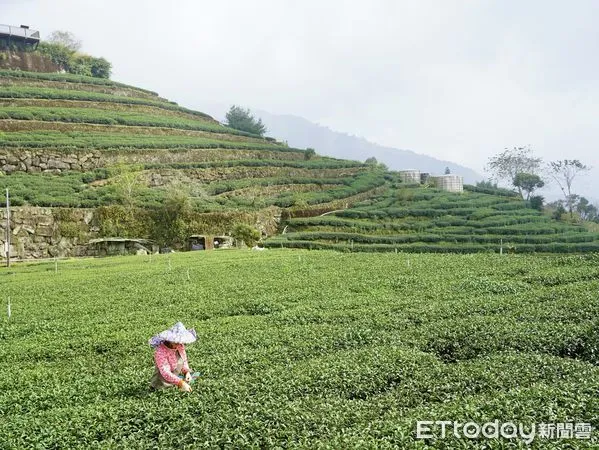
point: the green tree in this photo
(172, 220)
(243, 120)
(127, 179)
(587, 210)
(507, 164)
(81, 64)
(309, 153)
(527, 183)
(57, 53)
(371, 161)
(447, 171)
(100, 68)
(559, 211)
(536, 202)
(563, 173)
(486, 184)
(245, 233)
(74, 62)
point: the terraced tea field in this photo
(416, 219)
(299, 349)
(61, 136)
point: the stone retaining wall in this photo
(39, 232)
(40, 160)
(61, 232)
(44, 160)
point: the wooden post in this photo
(7, 243)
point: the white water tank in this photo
(450, 183)
(410, 176)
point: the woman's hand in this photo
(185, 387)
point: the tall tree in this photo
(586, 209)
(243, 120)
(127, 179)
(563, 172)
(507, 164)
(66, 39)
(527, 183)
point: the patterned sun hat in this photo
(177, 334)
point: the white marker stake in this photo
(55, 265)
(8, 307)
(188, 278)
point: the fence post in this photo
(7, 243)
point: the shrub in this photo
(75, 63)
(246, 234)
(536, 202)
(559, 212)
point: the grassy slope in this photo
(297, 348)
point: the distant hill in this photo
(302, 133)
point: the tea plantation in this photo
(70, 141)
(88, 126)
(421, 219)
(299, 349)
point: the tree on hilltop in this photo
(66, 39)
(527, 183)
(62, 48)
(509, 163)
(243, 120)
(587, 210)
(563, 172)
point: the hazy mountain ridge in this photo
(302, 133)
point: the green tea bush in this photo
(309, 350)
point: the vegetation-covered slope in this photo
(75, 141)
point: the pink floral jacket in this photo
(166, 362)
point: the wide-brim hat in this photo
(177, 334)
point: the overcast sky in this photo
(458, 80)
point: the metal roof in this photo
(20, 33)
(119, 239)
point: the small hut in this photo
(208, 242)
